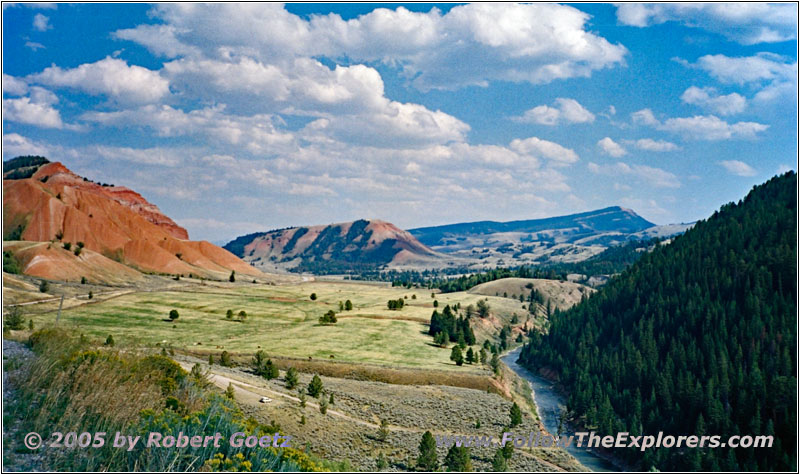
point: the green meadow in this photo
(283, 321)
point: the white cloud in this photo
(14, 86)
(469, 45)
(159, 39)
(34, 46)
(651, 145)
(774, 76)
(15, 145)
(565, 111)
(256, 133)
(710, 127)
(655, 177)
(611, 148)
(145, 156)
(748, 69)
(546, 149)
(736, 167)
(701, 127)
(747, 23)
(41, 22)
(111, 77)
(708, 98)
(644, 116)
(35, 109)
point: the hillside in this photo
(45, 202)
(561, 294)
(697, 337)
(333, 248)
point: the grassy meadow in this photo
(283, 321)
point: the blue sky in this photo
(239, 118)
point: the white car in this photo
(265, 399)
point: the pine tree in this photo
(499, 462)
(458, 459)
(229, 393)
(456, 356)
(427, 459)
(315, 386)
(291, 378)
(516, 415)
(470, 356)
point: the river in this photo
(549, 404)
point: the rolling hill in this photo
(342, 247)
(45, 202)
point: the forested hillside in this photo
(697, 337)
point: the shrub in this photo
(225, 359)
(329, 318)
(173, 314)
(68, 245)
(110, 340)
(44, 286)
(15, 320)
(10, 263)
(313, 296)
(291, 378)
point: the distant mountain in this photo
(561, 239)
(342, 247)
(45, 202)
(568, 228)
(698, 336)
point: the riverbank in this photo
(549, 406)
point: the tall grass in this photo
(71, 387)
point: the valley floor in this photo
(378, 363)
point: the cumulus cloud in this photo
(41, 22)
(14, 86)
(15, 145)
(746, 23)
(546, 149)
(644, 116)
(256, 133)
(35, 109)
(564, 111)
(469, 45)
(701, 127)
(110, 77)
(612, 148)
(652, 176)
(651, 145)
(739, 168)
(772, 75)
(708, 98)
(710, 127)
